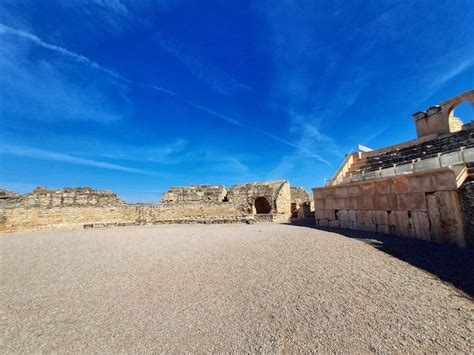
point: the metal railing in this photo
(458, 157)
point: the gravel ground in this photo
(208, 288)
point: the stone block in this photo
(446, 224)
(382, 187)
(400, 185)
(319, 203)
(364, 217)
(402, 202)
(334, 224)
(368, 227)
(401, 222)
(342, 203)
(353, 191)
(383, 228)
(420, 220)
(329, 214)
(317, 194)
(319, 214)
(365, 203)
(346, 224)
(446, 181)
(341, 192)
(323, 222)
(385, 202)
(424, 183)
(423, 234)
(330, 203)
(367, 188)
(416, 201)
(352, 203)
(380, 217)
(398, 217)
(342, 215)
(329, 192)
(352, 215)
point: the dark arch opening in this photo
(262, 205)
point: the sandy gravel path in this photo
(239, 288)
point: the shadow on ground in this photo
(450, 263)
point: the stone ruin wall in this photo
(277, 193)
(424, 205)
(207, 193)
(70, 208)
(302, 203)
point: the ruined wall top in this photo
(203, 193)
(439, 119)
(68, 196)
(300, 195)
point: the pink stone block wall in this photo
(423, 206)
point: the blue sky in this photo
(138, 96)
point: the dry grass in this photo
(246, 288)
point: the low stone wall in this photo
(67, 217)
(423, 206)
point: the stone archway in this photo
(262, 205)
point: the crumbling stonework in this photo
(82, 207)
(301, 203)
(70, 196)
(211, 193)
(263, 198)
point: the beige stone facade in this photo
(86, 208)
(423, 206)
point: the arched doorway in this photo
(463, 111)
(262, 205)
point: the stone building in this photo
(419, 189)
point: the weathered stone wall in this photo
(467, 201)
(210, 193)
(23, 218)
(424, 206)
(301, 203)
(84, 208)
(35, 218)
(69, 196)
(277, 193)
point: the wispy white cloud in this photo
(209, 73)
(82, 59)
(449, 68)
(112, 5)
(34, 153)
(76, 57)
(33, 88)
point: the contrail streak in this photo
(82, 59)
